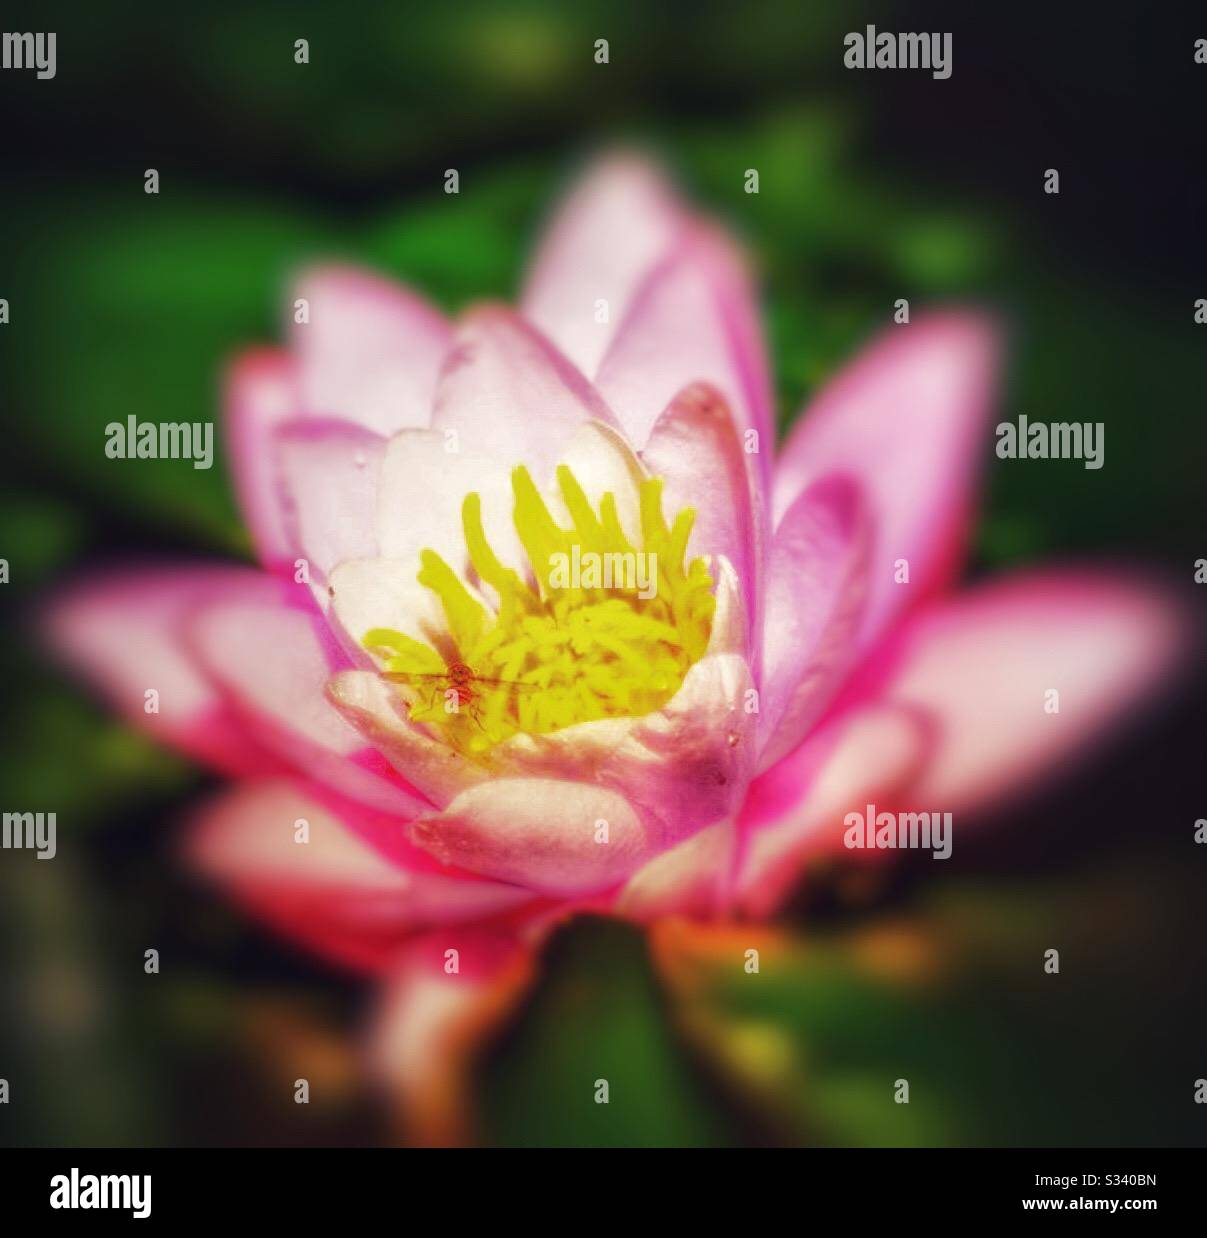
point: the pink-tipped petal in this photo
(550, 836)
(508, 394)
(450, 990)
(682, 767)
(124, 633)
(273, 665)
(984, 666)
(688, 764)
(909, 421)
(376, 710)
(690, 879)
(299, 867)
(370, 350)
(261, 393)
(796, 809)
(330, 474)
(620, 219)
(693, 320)
(816, 590)
(695, 448)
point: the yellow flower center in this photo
(604, 630)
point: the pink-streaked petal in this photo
(330, 474)
(620, 219)
(451, 988)
(540, 833)
(124, 633)
(510, 395)
(370, 351)
(687, 765)
(908, 420)
(682, 767)
(377, 711)
(334, 892)
(795, 810)
(693, 320)
(689, 879)
(980, 666)
(694, 447)
(816, 590)
(261, 392)
(273, 665)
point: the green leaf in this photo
(597, 1014)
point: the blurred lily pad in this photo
(596, 1020)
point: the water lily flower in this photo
(438, 752)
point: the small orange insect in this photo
(463, 681)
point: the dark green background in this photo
(873, 186)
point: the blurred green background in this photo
(872, 187)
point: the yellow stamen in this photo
(609, 641)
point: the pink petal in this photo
(602, 462)
(980, 665)
(510, 395)
(688, 879)
(816, 589)
(381, 593)
(336, 893)
(124, 633)
(908, 420)
(614, 227)
(681, 767)
(433, 1020)
(694, 447)
(539, 833)
(370, 352)
(693, 320)
(330, 475)
(730, 624)
(374, 708)
(424, 480)
(796, 809)
(273, 664)
(261, 393)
